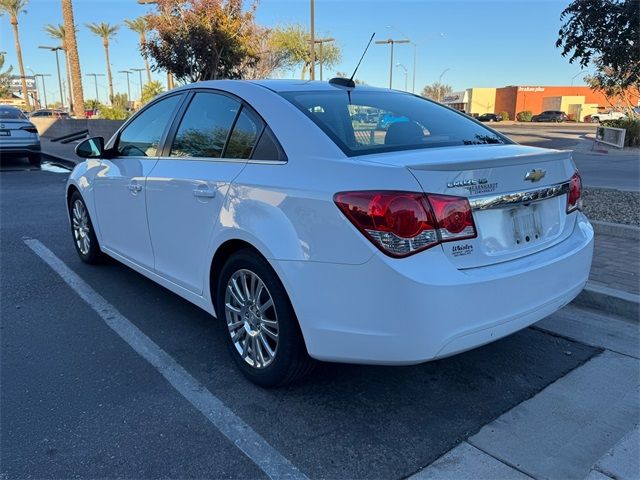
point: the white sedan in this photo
(269, 206)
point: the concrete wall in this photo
(56, 127)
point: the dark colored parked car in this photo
(489, 117)
(550, 116)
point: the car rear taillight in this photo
(574, 197)
(404, 223)
(29, 128)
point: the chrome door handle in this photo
(134, 187)
(202, 193)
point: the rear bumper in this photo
(19, 148)
(405, 311)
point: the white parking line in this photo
(267, 458)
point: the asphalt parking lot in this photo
(78, 401)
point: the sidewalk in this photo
(616, 263)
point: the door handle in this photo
(204, 193)
(134, 187)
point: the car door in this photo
(119, 186)
(187, 187)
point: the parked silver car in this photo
(18, 136)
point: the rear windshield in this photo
(11, 114)
(364, 122)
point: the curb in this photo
(616, 230)
(610, 300)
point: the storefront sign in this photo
(531, 89)
(15, 83)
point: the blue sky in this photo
(485, 43)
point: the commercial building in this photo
(577, 102)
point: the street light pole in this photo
(139, 70)
(56, 49)
(44, 86)
(391, 42)
(127, 73)
(440, 83)
(312, 28)
(95, 82)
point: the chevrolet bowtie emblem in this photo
(535, 175)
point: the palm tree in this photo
(57, 32)
(139, 25)
(73, 58)
(106, 32)
(13, 8)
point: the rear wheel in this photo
(35, 159)
(84, 237)
(260, 327)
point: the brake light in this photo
(404, 223)
(574, 197)
(29, 128)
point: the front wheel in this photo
(260, 327)
(84, 237)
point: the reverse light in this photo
(404, 223)
(574, 197)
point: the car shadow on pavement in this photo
(350, 421)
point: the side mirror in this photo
(91, 148)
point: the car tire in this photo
(595, 119)
(35, 159)
(247, 284)
(83, 234)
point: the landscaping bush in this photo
(524, 116)
(504, 115)
(113, 113)
(631, 125)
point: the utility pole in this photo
(320, 41)
(44, 86)
(56, 49)
(139, 70)
(127, 73)
(95, 82)
(391, 42)
(312, 74)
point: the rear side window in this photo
(364, 122)
(205, 126)
(142, 136)
(268, 147)
(244, 136)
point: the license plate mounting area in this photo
(527, 227)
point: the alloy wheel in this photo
(80, 222)
(251, 318)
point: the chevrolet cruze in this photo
(310, 238)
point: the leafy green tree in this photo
(606, 34)
(13, 8)
(106, 32)
(151, 90)
(5, 79)
(294, 42)
(139, 25)
(201, 39)
(120, 101)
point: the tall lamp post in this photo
(139, 70)
(312, 31)
(95, 82)
(127, 73)
(391, 42)
(44, 86)
(56, 49)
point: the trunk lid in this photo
(517, 193)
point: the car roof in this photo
(281, 85)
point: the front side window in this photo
(205, 126)
(141, 138)
(364, 122)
